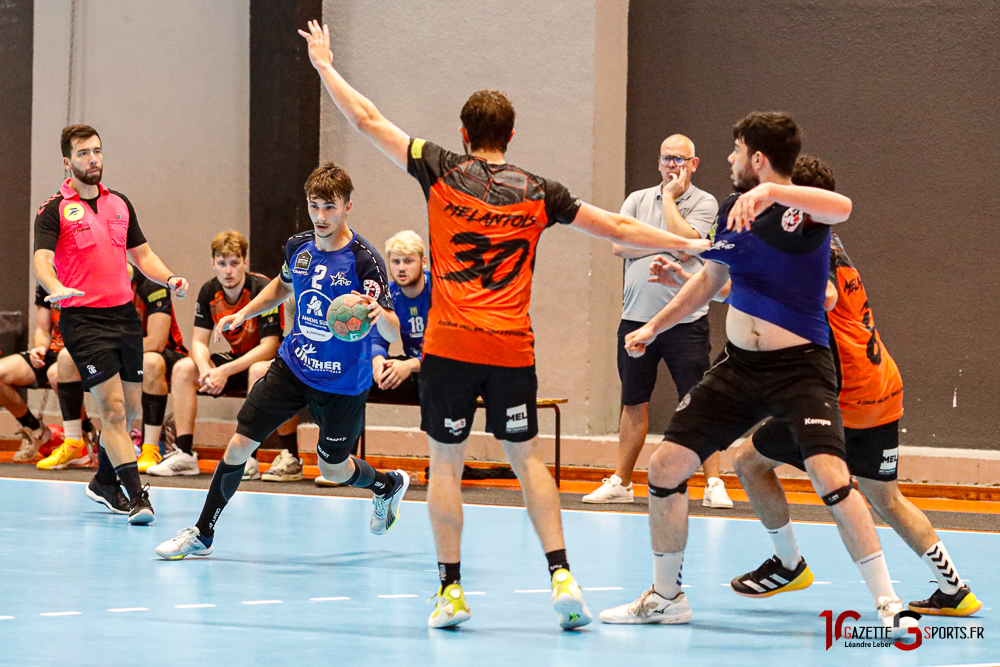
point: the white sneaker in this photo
(611, 491)
(887, 609)
(175, 463)
(325, 483)
(716, 496)
(187, 543)
(31, 441)
(251, 471)
(284, 468)
(650, 608)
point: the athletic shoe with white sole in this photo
(177, 462)
(611, 491)
(149, 457)
(71, 453)
(887, 609)
(962, 603)
(325, 483)
(650, 608)
(716, 496)
(140, 510)
(31, 441)
(109, 495)
(251, 471)
(567, 600)
(387, 507)
(450, 608)
(189, 542)
(284, 468)
(771, 578)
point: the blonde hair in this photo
(405, 243)
(230, 242)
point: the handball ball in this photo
(348, 318)
(54, 441)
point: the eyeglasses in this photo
(673, 160)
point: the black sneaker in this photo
(772, 578)
(109, 495)
(961, 603)
(140, 510)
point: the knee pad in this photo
(837, 496)
(332, 455)
(661, 492)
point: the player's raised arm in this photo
(357, 109)
(631, 233)
(823, 206)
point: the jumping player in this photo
(774, 241)
(485, 217)
(313, 368)
(82, 236)
(871, 402)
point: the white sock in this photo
(786, 548)
(151, 434)
(73, 429)
(667, 573)
(944, 570)
(875, 572)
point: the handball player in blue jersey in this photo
(772, 238)
(313, 368)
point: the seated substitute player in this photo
(485, 218)
(774, 240)
(396, 378)
(871, 402)
(313, 368)
(252, 347)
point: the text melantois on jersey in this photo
(490, 218)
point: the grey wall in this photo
(900, 98)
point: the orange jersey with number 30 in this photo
(871, 391)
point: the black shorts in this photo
(104, 342)
(237, 383)
(685, 349)
(872, 453)
(448, 393)
(278, 397)
(407, 393)
(41, 374)
(797, 386)
(170, 358)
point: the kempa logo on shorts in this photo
(517, 419)
(812, 421)
(889, 459)
(455, 426)
(91, 369)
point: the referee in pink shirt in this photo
(82, 235)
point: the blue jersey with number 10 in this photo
(311, 351)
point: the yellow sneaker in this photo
(149, 457)
(70, 453)
(567, 599)
(450, 608)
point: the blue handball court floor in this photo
(299, 580)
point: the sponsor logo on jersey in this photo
(311, 310)
(814, 421)
(373, 289)
(721, 245)
(454, 426)
(157, 295)
(302, 261)
(791, 219)
(414, 311)
(73, 211)
(340, 279)
(517, 419)
(286, 275)
(686, 401)
(304, 354)
(91, 369)
(889, 459)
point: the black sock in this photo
(557, 560)
(185, 443)
(70, 400)
(105, 469)
(225, 481)
(450, 573)
(87, 425)
(290, 442)
(29, 421)
(128, 473)
(366, 477)
(254, 455)
(154, 408)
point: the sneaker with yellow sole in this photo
(149, 457)
(961, 603)
(771, 578)
(450, 608)
(70, 453)
(567, 599)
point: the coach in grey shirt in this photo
(679, 207)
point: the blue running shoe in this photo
(387, 506)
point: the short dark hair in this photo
(775, 135)
(488, 117)
(329, 182)
(813, 172)
(74, 133)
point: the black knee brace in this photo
(661, 492)
(837, 496)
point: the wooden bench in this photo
(547, 403)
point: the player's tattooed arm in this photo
(356, 108)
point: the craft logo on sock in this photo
(454, 426)
(517, 419)
(889, 458)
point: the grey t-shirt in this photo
(643, 299)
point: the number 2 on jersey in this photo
(320, 274)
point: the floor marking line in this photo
(604, 588)
(328, 599)
(535, 590)
(61, 613)
(400, 595)
(6, 618)
(475, 592)
(193, 606)
(127, 609)
(262, 602)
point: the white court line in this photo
(127, 609)
(475, 592)
(6, 618)
(978, 664)
(61, 613)
(395, 597)
(604, 588)
(536, 590)
(262, 602)
(193, 606)
(328, 599)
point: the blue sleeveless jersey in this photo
(310, 350)
(412, 320)
(779, 269)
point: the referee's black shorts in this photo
(104, 342)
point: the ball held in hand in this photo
(349, 318)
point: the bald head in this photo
(677, 144)
(677, 159)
